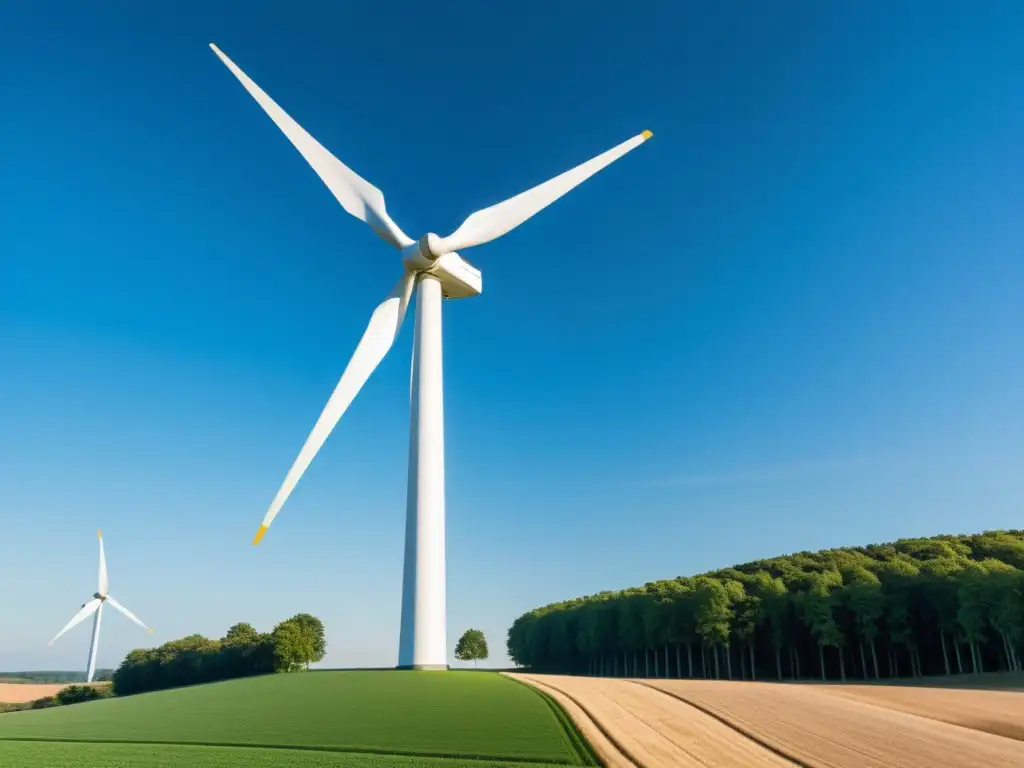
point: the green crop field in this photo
(378, 719)
(29, 754)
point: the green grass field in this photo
(29, 754)
(361, 719)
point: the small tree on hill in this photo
(298, 642)
(471, 646)
(314, 642)
(288, 650)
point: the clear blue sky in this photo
(792, 320)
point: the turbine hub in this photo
(432, 246)
(422, 255)
(98, 596)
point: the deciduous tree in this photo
(472, 646)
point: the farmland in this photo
(19, 693)
(383, 718)
(662, 723)
(992, 711)
(15, 754)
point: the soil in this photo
(647, 728)
(998, 712)
(820, 727)
(720, 724)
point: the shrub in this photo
(76, 694)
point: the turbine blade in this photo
(104, 583)
(127, 613)
(493, 222)
(85, 612)
(356, 195)
(380, 334)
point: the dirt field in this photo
(999, 712)
(650, 729)
(666, 723)
(818, 727)
(17, 693)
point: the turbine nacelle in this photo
(459, 279)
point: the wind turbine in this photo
(95, 608)
(432, 266)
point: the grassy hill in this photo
(377, 718)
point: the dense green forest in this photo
(913, 607)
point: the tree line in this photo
(293, 645)
(913, 607)
(53, 676)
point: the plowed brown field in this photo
(667, 723)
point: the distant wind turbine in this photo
(431, 266)
(95, 607)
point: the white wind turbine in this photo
(432, 264)
(95, 608)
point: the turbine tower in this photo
(431, 266)
(95, 608)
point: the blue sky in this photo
(792, 320)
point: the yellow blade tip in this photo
(151, 630)
(99, 534)
(646, 135)
(259, 535)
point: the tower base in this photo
(425, 667)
